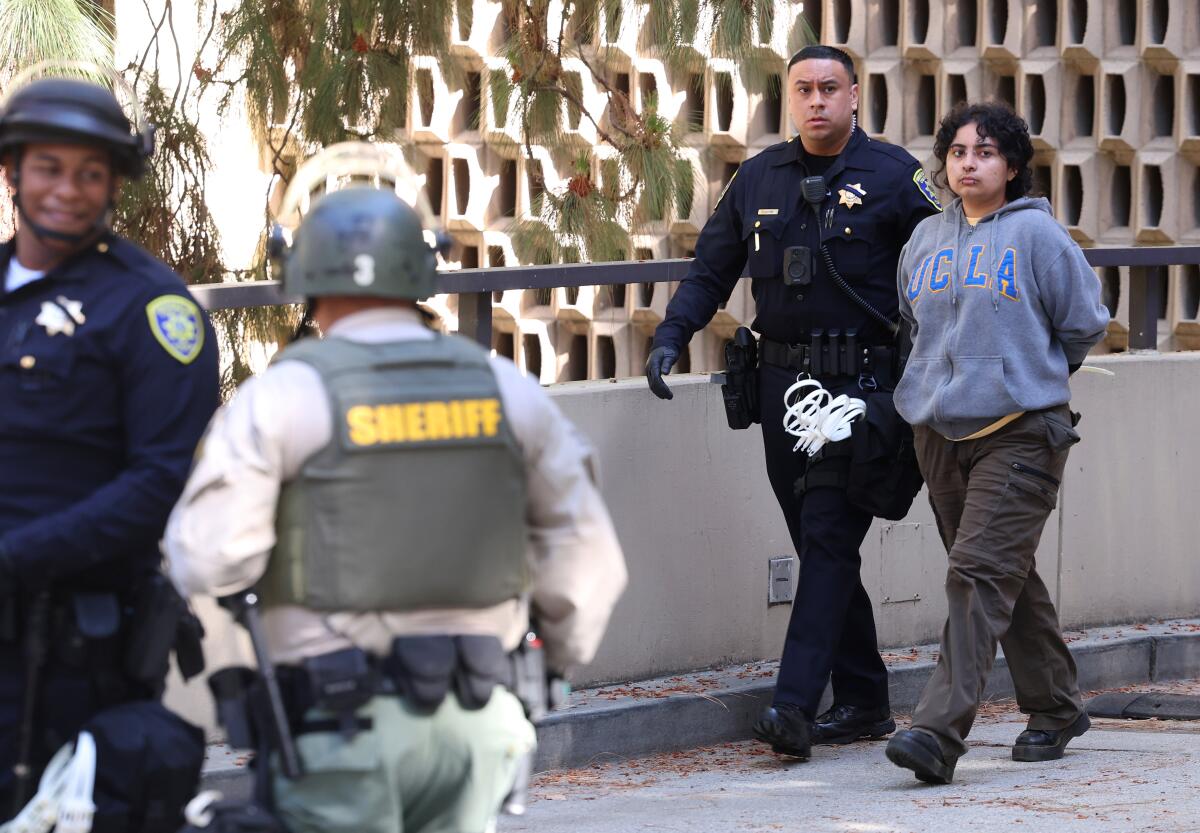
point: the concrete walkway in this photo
(1121, 776)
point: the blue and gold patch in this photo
(922, 183)
(177, 325)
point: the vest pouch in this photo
(422, 668)
(482, 664)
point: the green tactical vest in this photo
(418, 500)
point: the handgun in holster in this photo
(740, 390)
(540, 692)
(162, 622)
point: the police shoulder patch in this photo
(922, 183)
(177, 325)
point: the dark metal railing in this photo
(474, 287)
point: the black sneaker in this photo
(920, 753)
(1048, 744)
(845, 724)
(786, 728)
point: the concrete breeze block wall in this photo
(1110, 88)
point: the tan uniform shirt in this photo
(221, 533)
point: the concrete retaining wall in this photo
(698, 522)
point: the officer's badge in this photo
(922, 183)
(61, 316)
(177, 325)
(849, 198)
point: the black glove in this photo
(1071, 368)
(658, 364)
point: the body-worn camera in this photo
(797, 266)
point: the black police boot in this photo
(921, 753)
(786, 728)
(1048, 744)
(845, 724)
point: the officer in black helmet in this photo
(402, 501)
(108, 375)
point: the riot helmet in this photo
(59, 102)
(361, 241)
(61, 108)
(365, 235)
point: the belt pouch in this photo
(481, 665)
(341, 681)
(422, 668)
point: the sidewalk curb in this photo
(619, 722)
(680, 721)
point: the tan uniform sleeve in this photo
(578, 567)
(222, 530)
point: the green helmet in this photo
(360, 241)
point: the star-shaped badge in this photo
(60, 316)
(848, 198)
(55, 320)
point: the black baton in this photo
(244, 607)
(36, 639)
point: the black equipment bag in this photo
(884, 477)
(147, 768)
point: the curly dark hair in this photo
(997, 121)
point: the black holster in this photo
(162, 622)
(740, 390)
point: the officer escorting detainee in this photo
(872, 195)
(108, 375)
(1003, 308)
(401, 500)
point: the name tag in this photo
(763, 212)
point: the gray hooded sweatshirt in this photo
(998, 311)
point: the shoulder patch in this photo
(177, 325)
(922, 183)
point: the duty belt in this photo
(832, 356)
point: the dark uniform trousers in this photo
(832, 629)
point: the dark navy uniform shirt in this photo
(108, 378)
(877, 193)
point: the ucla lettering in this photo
(1007, 275)
(936, 270)
(941, 275)
(974, 276)
(418, 422)
(917, 279)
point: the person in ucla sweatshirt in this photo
(1003, 308)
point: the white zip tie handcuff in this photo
(818, 417)
(64, 797)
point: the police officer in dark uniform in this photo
(108, 377)
(770, 218)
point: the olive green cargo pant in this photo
(991, 497)
(410, 773)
